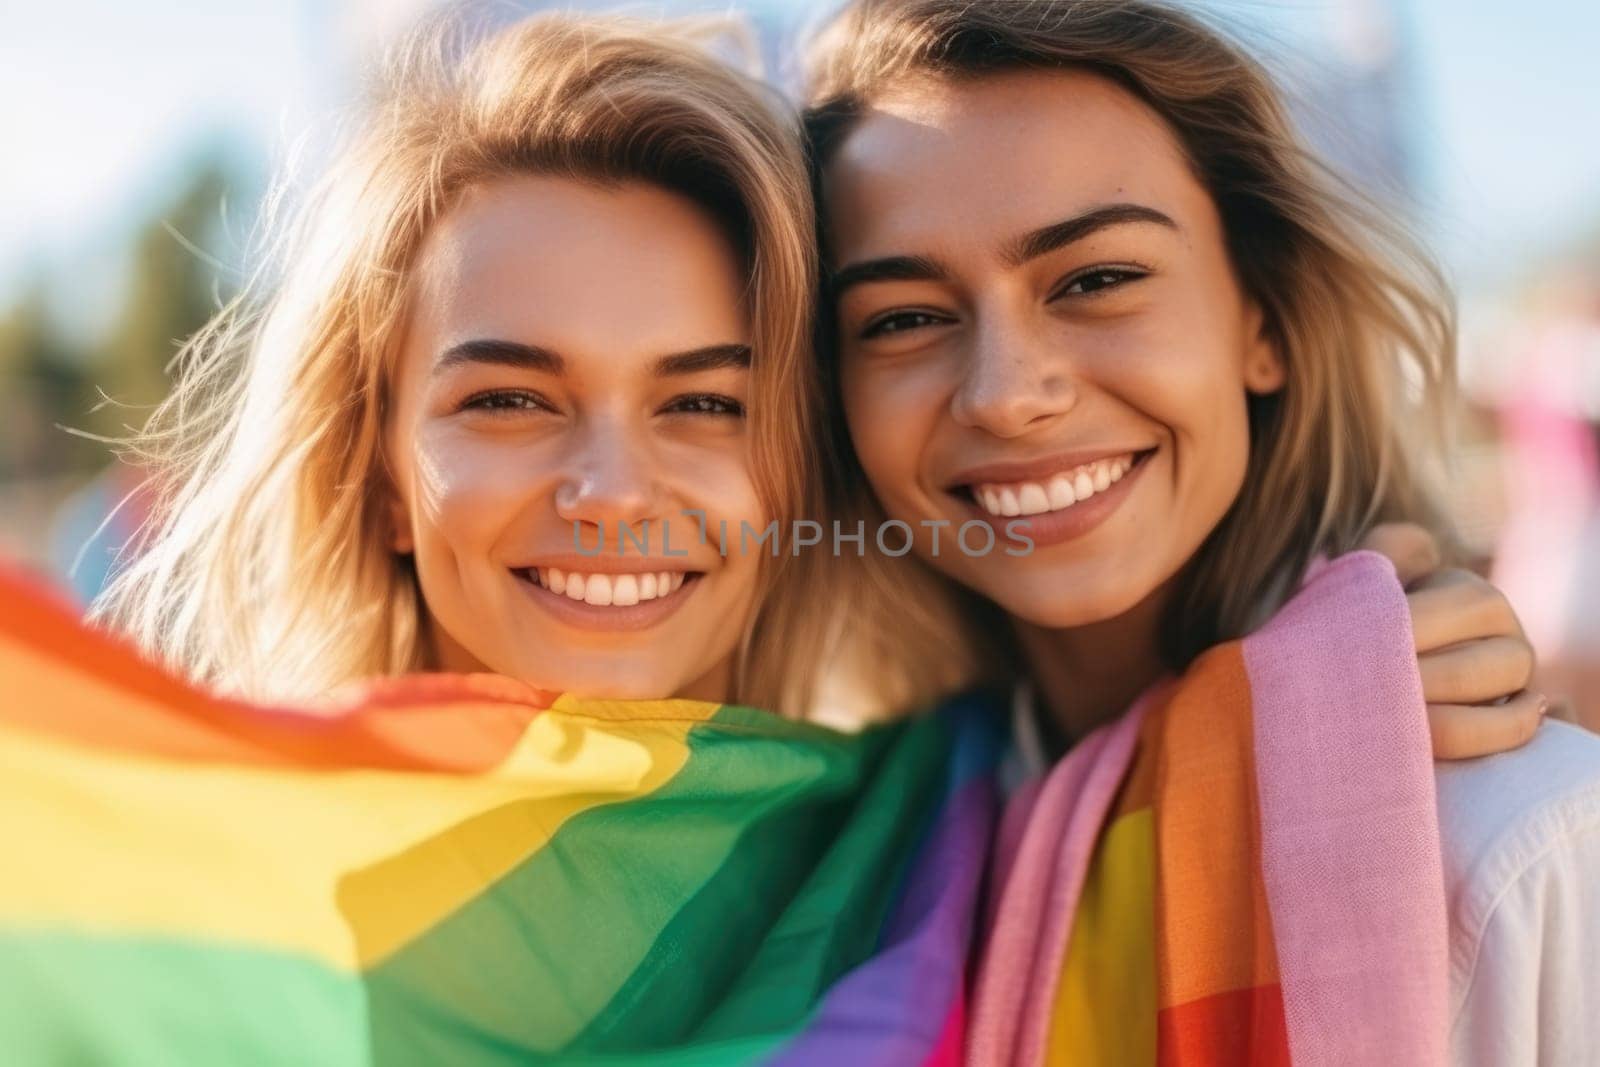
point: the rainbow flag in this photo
(465, 870)
(1244, 870)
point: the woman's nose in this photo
(612, 480)
(1013, 382)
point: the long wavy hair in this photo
(265, 569)
(1360, 315)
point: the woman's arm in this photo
(1475, 661)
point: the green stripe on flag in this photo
(140, 1001)
(579, 948)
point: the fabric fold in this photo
(466, 870)
(1243, 869)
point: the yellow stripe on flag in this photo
(134, 846)
(1105, 1004)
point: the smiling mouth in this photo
(1056, 492)
(608, 590)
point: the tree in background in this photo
(66, 396)
(43, 382)
(177, 279)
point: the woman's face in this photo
(576, 362)
(1039, 320)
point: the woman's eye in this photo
(705, 404)
(1098, 280)
(900, 322)
(505, 400)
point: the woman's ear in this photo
(1264, 372)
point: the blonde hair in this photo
(266, 569)
(1362, 319)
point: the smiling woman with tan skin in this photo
(942, 285)
(1157, 333)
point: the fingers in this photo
(1462, 731)
(1471, 650)
(1412, 550)
(1474, 672)
(1451, 606)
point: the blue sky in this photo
(1513, 98)
(104, 98)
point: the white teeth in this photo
(1032, 499)
(607, 590)
(1061, 491)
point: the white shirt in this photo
(1521, 838)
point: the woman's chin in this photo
(1068, 603)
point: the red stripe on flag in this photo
(1244, 1028)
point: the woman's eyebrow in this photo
(711, 357)
(502, 353)
(887, 269)
(1046, 239)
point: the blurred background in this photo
(143, 137)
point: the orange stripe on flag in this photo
(76, 684)
(1213, 929)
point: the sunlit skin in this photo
(1074, 304)
(1028, 278)
(575, 355)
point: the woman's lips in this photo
(1058, 506)
(608, 601)
(1053, 492)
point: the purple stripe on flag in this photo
(893, 1009)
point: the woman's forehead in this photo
(999, 154)
(580, 266)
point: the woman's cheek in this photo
(470, 488)
(889, 418)
(724, 488)
(1207, 418)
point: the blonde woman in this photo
(1083, 277)
(556, 291)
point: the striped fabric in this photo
(1243, 870)
(465, 870)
